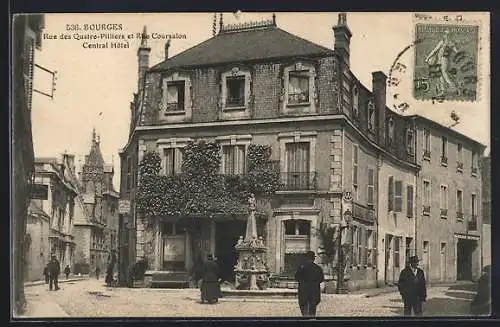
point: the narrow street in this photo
(91, 298)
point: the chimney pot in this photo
(379, 88)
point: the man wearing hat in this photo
(412, 287)
(309, 275)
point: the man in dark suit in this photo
(54, 271)
(412, 287)
(309, 275)
(210, 291)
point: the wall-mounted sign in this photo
(123, 207)
(39, 192)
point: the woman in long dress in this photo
(210, 281)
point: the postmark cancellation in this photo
(446, 59)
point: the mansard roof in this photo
(240, 44)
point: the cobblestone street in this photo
(90, 298)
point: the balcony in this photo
(299, 181)
(426, 210)
(472, 224)
(444, 213)
(460, 215)
(238, 101)
(427, 155)
(444, 161)
(474, 171)
(460, 166)
(364, 213)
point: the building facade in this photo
(37, 242)
(333, 138)
(97, 229)
(486, 210)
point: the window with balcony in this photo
(459, 205)
(409, 201)
(235, 91)
(472, 223)
(298, 88)
(427, 144)
(444, 151)
(460, 163)
(233, 159)
(175, 96)
(355, 154)
(443, 201)
(298, 175)
(426, 198)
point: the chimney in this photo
(379, 80)
(143, 59)
(342, 35)
(167, 45)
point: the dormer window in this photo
(299, 93)
(175, 104)
(175, 96)
(235, 91)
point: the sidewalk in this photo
(391, 289)
(62, 279)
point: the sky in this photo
(94, 87)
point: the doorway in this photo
(227, 234)
(465, 249)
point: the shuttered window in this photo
(390, 195)
(409, 201)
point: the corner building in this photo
(256, 83)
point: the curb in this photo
(42, 282)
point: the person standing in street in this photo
(97, 272)
(310, 276)
(54, 271)
(67, 270)
(412, 287)
(210, 281)
(481, 305)
(46, 273)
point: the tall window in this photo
(298, 87)
(175, 96)
(444, 150)
(398, 196)
(390, 188)
(371, 187)
(396, 251)
(235, 91)
(443, 200)
(297, 163)
(427, 197)
(409, 201)
(474, 162)
(172, 161)
(459, 204)
(459, 152)
(234, 159)
(427, 143)
(355, 154)
(474, 205)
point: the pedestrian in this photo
(210, 281)
(46, 273)
(310, 276)
(67, 270)
(481, 305)
(109, 276)
(54, 271)
(97, 272)
(412, 287)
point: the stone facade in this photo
(37, 245)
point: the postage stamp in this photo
(446, 62)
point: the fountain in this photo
(251, 269)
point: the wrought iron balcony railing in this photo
(444, 160)
(472, 224)
(299, 181)
(444, 212)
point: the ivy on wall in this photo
(200, 189)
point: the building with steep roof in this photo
(97, 226)
(345, 158)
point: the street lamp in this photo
(344, 225)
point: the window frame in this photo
(398, 197)
(443, 196)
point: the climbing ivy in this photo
(200, 190)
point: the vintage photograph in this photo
(250, 164)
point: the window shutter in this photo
(390, 204)
(409, 203)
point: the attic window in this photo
(175, 96)
(235, 91)
(298, 87)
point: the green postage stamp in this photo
(446, 62)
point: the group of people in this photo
(51, 273)
(411, 285)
